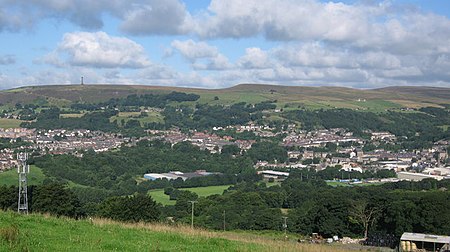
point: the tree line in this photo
(310, 205)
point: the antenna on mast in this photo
(23, 169)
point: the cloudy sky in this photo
(220, 43)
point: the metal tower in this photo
(23, 169)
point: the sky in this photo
(221, 43)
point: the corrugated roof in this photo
(425, 238)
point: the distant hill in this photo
(43, 233)
(285, 96)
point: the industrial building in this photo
(411, 176)
(410, 242)
(177, 174)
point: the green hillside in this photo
(286, 96)
(10, 177)
(44, 233)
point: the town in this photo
(315, 149)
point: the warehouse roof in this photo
(425, 238)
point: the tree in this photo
(231, 150)
(53, 198)
(8, 197)
(363, 214)
(139, 207)
(267, 151)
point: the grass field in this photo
(71, 115)
(152, 116)
(44, 233)
(9, 123)
(159, 196)
(10, 177)
(208, 190)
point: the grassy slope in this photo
(43, 233)
(10, 177)
(311, 97)
(159, 196)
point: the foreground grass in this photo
(44, 233)
(10, 177)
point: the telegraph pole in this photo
(285, 227)
(23, 169)
(192, 213)
(224, 227)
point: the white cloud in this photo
(283, 20)
(378, 26)
(192, 50)
(157, 17)
(369, 43)
(98, 50)
(201, 55)
(136, 16)
(7, 59)
(157, 72)
(220, 62)
(254, 58)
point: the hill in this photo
(286, 96)
(45, 233)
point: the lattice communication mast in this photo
(23, 169)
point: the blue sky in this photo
(215, 44)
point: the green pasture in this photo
(10, 177)
(159, 196)
(152, 116)
(41, 233)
